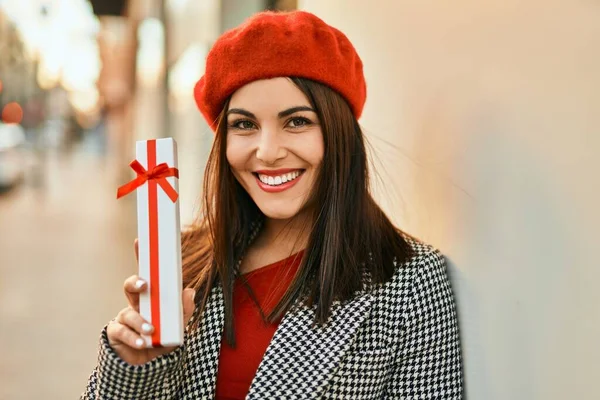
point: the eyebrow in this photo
(281, 114)
(292, 110)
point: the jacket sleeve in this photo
(114, 378)
(429, 362)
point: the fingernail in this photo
(139, 283)
(139, 342)
(146, 327)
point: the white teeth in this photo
(278, 180)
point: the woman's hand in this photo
(124, 332)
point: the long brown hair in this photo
(350, 234)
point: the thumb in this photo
(188, 304)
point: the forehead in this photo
(268, 94)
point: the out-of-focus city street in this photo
(65, 250)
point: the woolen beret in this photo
(277, 44)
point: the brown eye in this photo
(243, 124)
(298, 122)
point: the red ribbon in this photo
(155, 175)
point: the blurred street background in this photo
(483, 122)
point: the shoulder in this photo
(424, 272)
(418, 299)
(427, 263)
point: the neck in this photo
(291, 235)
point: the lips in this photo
(273, 181)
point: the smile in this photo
(277, 181)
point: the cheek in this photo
(238, 157)
(235, 156)
(318, 155)
(314, 150)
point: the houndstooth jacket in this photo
(397, 340)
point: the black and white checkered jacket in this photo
(397, 340)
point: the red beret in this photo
(275, 44)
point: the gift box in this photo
(159, 238)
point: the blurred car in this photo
(12, 162)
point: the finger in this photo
(119, 333)
(134, 320)
(188, 304)
(136, 246)
(132, 287)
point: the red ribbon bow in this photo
(158, 173)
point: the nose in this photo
(269, 149)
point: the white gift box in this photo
(159, 240)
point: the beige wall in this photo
(485, 119)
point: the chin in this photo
(277, 212)
(279, 206)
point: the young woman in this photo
(297, 284)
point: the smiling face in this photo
(274, 145)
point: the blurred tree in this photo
(17, 69)
(109, 7)
(282, 5)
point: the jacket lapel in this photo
(301, 359)
(205, 345)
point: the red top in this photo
(238, 366)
